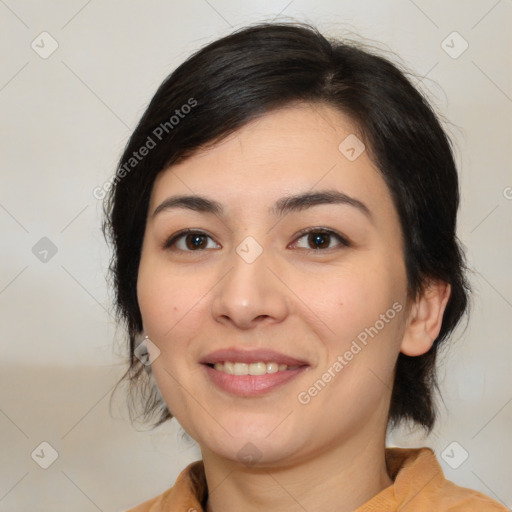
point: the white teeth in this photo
(241, 369)
(272, 367)
(229, 368)
(259, 368)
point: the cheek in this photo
(170, 306)
(357, 298)
(363, 310)
(163, 298)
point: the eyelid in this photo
(169, 242)
(344, 241)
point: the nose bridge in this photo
(249, 293)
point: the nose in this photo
(250, 294)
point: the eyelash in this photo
(344, 242)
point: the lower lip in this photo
(251, 385)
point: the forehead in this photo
(292, 150)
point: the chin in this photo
(252, 446)
(252, 452)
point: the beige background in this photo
(65, 120)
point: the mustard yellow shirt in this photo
(418, 485)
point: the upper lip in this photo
(250, 356)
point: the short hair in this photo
(260, 68)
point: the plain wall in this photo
(65, 120)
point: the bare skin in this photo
(304, 296)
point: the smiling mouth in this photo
(251, 379)
(258, 368)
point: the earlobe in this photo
(425, 318)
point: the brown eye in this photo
(196, 241)
(317, 239)
(189, 241)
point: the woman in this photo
(284, 229)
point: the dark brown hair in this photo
(262, 67)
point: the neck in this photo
(340, 479)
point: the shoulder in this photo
(461, 499)
(154, 504)
(454, 498)
(188, 492)
(420, 482)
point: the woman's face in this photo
(248, 285)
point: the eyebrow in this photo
(281, 207)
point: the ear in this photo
(425, 318)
